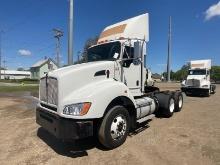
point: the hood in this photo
(196, 77)
(84, 67)
(201, 79)
(74, 77)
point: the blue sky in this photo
(28, 25)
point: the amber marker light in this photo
(85, 108)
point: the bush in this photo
(25, 80)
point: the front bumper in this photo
(63, 128)
(195, 90)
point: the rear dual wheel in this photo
(178, 101)
(170, 102)
(166, 104)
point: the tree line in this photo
(179, 75)
(83, 55)
(182, 73)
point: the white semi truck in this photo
(198, 79)
(104, 97)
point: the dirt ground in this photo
(191, 136)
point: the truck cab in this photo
(106, 95)
(198, 79)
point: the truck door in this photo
(131, 71)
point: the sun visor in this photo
(136, 27)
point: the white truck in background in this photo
(198, 79)
(149, 80)
(106, 96)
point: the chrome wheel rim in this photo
(172, 105)
(118, 127)
(180, 101)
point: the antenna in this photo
(169, 51)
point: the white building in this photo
(13, 74)
(42, 67)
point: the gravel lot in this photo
(191, 136)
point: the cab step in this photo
(146, 118)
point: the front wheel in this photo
(208, 93)
(213, 87)
(114, 128)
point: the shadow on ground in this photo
(70, 149)
(78, 148)
(198, 95)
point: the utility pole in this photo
(4, 65)
(1, 54)
(57, 34)
(78, 56)
(169, 51)
(70, 35)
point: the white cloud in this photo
(212, 11)
(161, 64)
(24, 52)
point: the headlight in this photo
(79, 109)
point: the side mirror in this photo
(116, 55)
(137, 49)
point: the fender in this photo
(100, 94)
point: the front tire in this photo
(114, 128)
(213, 87)
(208, 93)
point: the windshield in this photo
(197, 72)
(104, 52)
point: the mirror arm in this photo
(128, 59)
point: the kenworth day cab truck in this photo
(104, 97)
(198, 79)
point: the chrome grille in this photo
(193, 83)
(43, 95)
(49, 90)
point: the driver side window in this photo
(128, 56)
(114, 49)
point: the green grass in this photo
(8, 89)
(25, 81)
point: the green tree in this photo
(89, 42)
(179, 75)
(2, 68)
(215, 73)
(20, 69)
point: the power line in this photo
(25, 44)
(57, 34)
(45, 48)
(29, 18)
